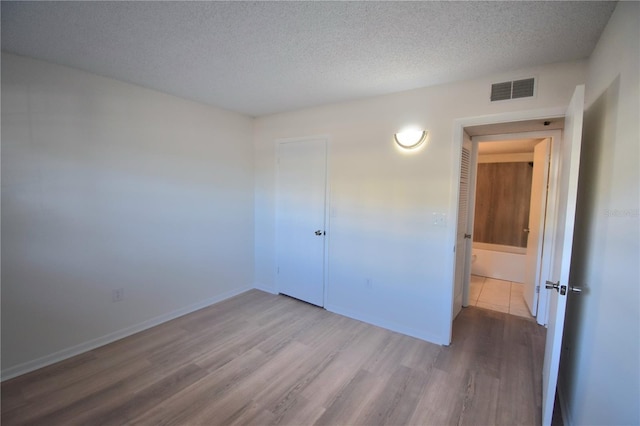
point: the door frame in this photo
(327, 202)
(456, 153)
(544, 263)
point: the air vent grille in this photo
(512, 89)
(522, 88)
(501, 91)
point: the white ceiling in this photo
(266, 57)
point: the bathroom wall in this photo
(501, 213)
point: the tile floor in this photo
(498, 295)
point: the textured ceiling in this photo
(266, 57)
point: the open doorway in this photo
(559, 218)
(502, 263)
(501, 228)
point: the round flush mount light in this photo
(410, 139)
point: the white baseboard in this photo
(63, 354)
(418, 334)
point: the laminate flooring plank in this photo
(485, 336)
(97, 403)
(420, 355)
(180, 406)
(441, 401)
(459, 362)
(283, 392)
(326, 328)
(388, 355)
(224, 350)
(537, 342)
(480, 403)
(263, 359)
(366, 341)
(325, 388)
(12, 397)
(398, 399)
(516, 396)
(252, 415)
(238, 395)
(352, 400)
(303, 412)
(302, 317)
(189, 348)
(58, 399)
(61, 374)
(33, 383)
(125, 410)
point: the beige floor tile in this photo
(496, 292)
(498, 295)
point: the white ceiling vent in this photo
(513, 89)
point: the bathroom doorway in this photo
(504, 176)
(507, 206)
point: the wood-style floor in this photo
(263, 359)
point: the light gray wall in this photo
(107, 185)
(382, 199)
(600, 374)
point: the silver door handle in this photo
(562, 289)
(467, 236)
(319, 232)
(550, 285)
(526, 230)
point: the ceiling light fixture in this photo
(410, 139)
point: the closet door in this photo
(463, 235)
(300, 219)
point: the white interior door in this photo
(300, 219)
(569, 163)
(537, 209)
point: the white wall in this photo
(600, 372)
(107, 185)
(382, 199)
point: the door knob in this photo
(467, 236)
(319, 232)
